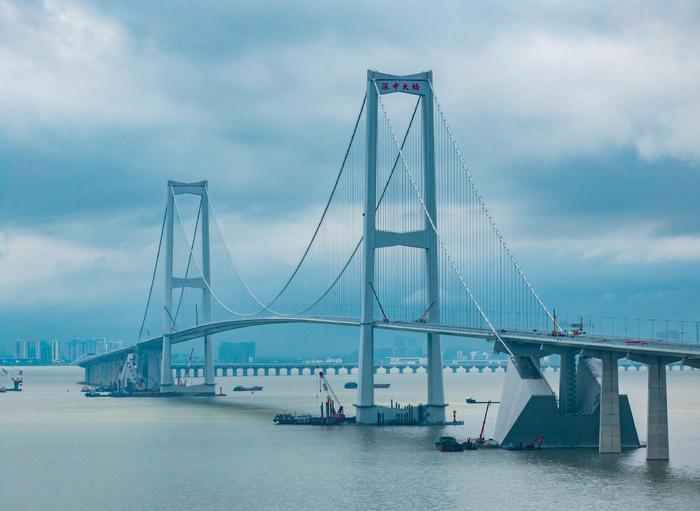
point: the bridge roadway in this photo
(688, 353)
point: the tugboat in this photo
(449, 444)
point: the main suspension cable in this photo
(153, 277)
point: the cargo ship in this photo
(241, 388)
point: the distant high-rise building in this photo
(45, 352)
(237, 352)
(406, 347)
(22, 349)
(62, 352)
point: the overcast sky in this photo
(580, 121)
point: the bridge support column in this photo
(206, 292)
(365, 386)
(609, 433)
(567, 383)
(208, 361)
(657, 414)
(436, 392)
(166, 369)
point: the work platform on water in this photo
(406, 244)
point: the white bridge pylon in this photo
(173, 282)
(424, 239)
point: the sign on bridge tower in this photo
(374, 239)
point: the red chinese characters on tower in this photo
(399, 86)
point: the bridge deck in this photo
(587, 345)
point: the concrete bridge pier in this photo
(149, 363)
(657, 413)
(590, 412)
(609, 433)
(209, 362)
(365, 385)
(567, 382)
(436, 393)
(166, 368)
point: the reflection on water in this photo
(63, 451)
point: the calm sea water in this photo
(61, 451)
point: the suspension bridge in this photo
(404, 242)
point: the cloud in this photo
(629, 245)
(577, 118)
(77, 263)
(66, 66)
(552, 94)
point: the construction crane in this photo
(183, 382)
(17, 378)
(331, 397)
(128, 378)
(425, 313)
(483, 424)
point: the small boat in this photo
(353, 385)
(241, 388)
(486, 443)
(474, 401)
(449, 444)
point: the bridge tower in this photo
(421, 85)
(173, 282)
